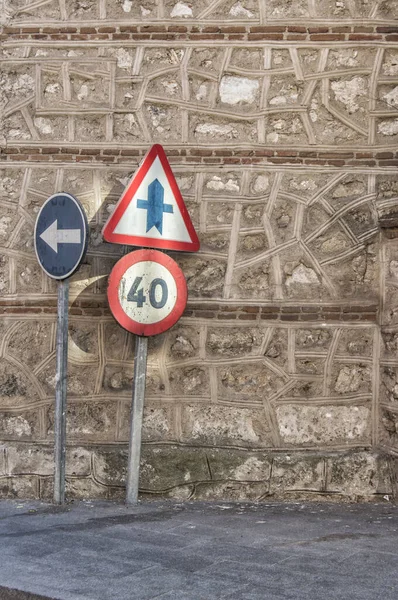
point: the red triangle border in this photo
(123, 203)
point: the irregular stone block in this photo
(110, 465)
(192, 381)
(352, 378)
(215, 242)
(83, 341)
(220, 213)
(18, 83)
(118, 378)
(21, 426)
(3, 451)
(78, 462)
(163, 121)
(253, 282)
(10, 183)
(241, 57)
(231, 490)
(252, 244)
(317, 425)
(15, 386)
(28, 277)
(116, 339)
(91, 420)
(25, 487)
(389, 427)
(204, 130)
(238, 465)
(205, 277)
(252, 214)
(348, 92)
(356, 342)
(225, 425)
(248, 381)
(85, 489)
(183, 342)
(238, 90)
(297, 472)
(166, 467)
(31, 342)
(233, 342)
(285, 90)
(23, 459)
(90, 129)
(157, 424)
(81, 378)
(4, 275)
(209, 58)
(359, 474)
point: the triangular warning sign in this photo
(151, 211)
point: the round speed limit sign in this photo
(147, 292)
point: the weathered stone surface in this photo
(323, 425)
(22, 426)
(389, 427)
(15, 387)
(224, 183)
(81, 377)
(78, 462)
(233, 342)
(164, 468)
(389, 385)
(190, 381)
(238, 90)
(359, 474)
(90, 421)
(253, 282)
(313, 338)
(31, 343)
(183, 343)
(238, 465)
(352, 378)
(22, 459)
(22, 486)
(296, 473)
(280, 130)
(248, 381)
(158, 423)
(85, 489)
(204, 277)
(231, 490)
(109, 466)
(224, 425)
(3, 450)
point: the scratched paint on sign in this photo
(143, 296)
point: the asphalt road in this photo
(198, 551)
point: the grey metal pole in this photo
(60, 392)
(136, 414)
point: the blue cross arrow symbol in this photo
(155, 206)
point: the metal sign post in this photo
(60, 238)
(136, 415)
(147, 291)
(60, 392)
(147, 294)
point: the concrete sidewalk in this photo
(198, 551)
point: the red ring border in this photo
(113, 292)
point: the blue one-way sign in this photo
(61, 235)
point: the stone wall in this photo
(280, 120)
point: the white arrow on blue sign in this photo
(61, 235)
